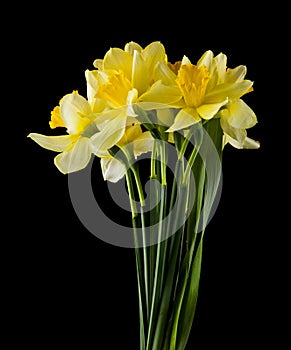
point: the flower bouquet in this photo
(178, 117)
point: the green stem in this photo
(165, 304)
(153, 219)
(135, 171)
(160, 250)
(137, 258)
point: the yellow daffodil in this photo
(80, 118)
(209, 90)
(129, 76)
(236, 116)
(136, 142)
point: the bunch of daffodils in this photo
(138, 102)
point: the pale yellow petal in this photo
(92, 83)
(73, 108)
(104, 117)
(220, 61)
(109, 135)
(236, 133)
(118, 59)
(185, 60)
(247, 143)
(143, 144)
(206, 60)
(53, 143)
(112, 169)
(147, 106)
(140, 73)
(76, 158)
(166, 116)
(131, 133)
(131, 47)
(185, 118)
(168, 94)
(98, 63)
(208, 111)
(132, 96)
(230, 90)
(164, 73)
(240, 115)
(235, 75)
(94, 79)
(98, 105)
(152, 54)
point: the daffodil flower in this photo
(236, 116)
(80, 118)
(127, 77)
(209, 90)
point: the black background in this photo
(65, 287)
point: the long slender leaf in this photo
(189, 301)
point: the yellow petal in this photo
(158, 92)
(132, 97)
(112, 169)
(117, 60)
(73, 108)
(131, 133)
(94, 78)
(236, 74)
(166, 116)
(104, 117)
(53, 143)
(131, 47)
(185, 118)
(109, 135)
(147, 106)
(236, 133)
(143, 143)
(98, 63)
(152, 54)
(185, 60)
(76, 158)
(230, 90)
(206, 60)
(247, 143)
(208, 111)
(140, 73)
(220, 61)
(240, 115)
(164, 73)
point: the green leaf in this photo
(188, 308)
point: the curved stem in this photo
(137, 259)
(138, 183)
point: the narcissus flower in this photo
(80, 118)
(129, 76)
(211, 90)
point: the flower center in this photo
(56, 118)
(192, 81)
(115, 90)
